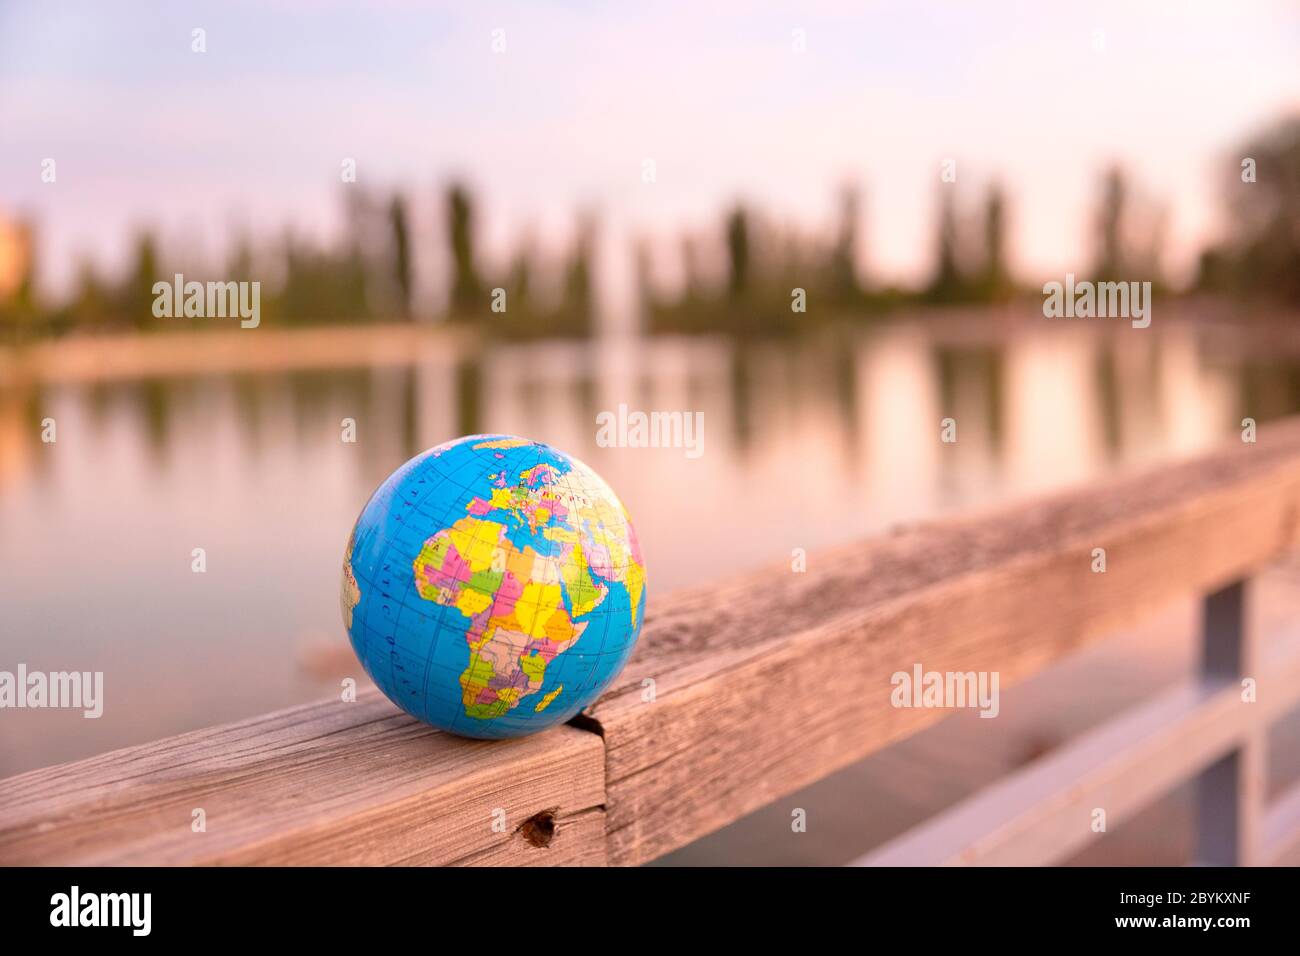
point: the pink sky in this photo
(252, 132)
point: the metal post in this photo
(1229, 792)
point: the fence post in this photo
(1230, 792)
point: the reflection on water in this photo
(803, 447)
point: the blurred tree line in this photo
(1258, 260)
(749, 277)
(367, 276)
(763, 270)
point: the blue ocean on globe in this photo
(493, 586)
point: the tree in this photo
(738, 252)
(401, 262)
(576, 311)
(136, 297)
(466, 287)
(1112, 215)
(995, 279)
(948, 284)
(845, 286)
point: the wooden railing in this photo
(748, 690)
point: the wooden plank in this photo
(328, 783)
(1042, 814)
(746, 691)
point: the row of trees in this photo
(367, 276)
(763, 269)
(740, 280)
(1259, 258)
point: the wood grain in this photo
(329, 783)
(744, 692)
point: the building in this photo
(15, 256)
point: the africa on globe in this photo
(493, 586)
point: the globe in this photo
(493, 586)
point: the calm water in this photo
(802, 447)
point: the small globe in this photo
(493, 586)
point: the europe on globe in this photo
(493, 586)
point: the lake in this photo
(804, 445)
